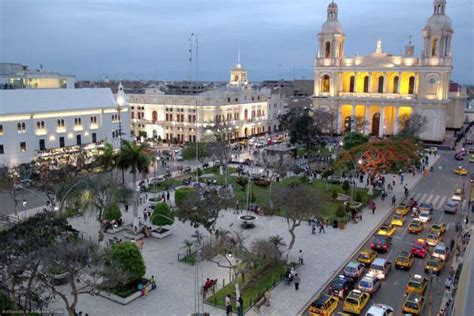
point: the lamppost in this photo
(121, 101)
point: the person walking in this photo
(297, 280)
(240, 306)
(394, 200)
(321, 228)
(373, 208)
(168, 196)
(153, 282)
(300, 257)
(228, 305)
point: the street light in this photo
(121, 101)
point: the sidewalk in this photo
(324, 254)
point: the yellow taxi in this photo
(413, 304)
(398, 220)
(434, 238)
(366, 256)
(386, 230)
(402, 209)
(416, 226)
(434, 265)
(417, 284)
(438, 228)
(325, 305)
(355, 302)
(461, 171)
(404, 260)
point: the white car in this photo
(440, 251)
(380, 310)
(457, 195)
(425, 216)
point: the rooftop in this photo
(23, 101)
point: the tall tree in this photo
(296, 203)
(107, 158)
(137, 158)
(301, 127)
(412, 125)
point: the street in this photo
(436, 188)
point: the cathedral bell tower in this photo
(331, 38)
(437, 35)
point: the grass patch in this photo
(125, 290)
(165, 185)
(188, 259)
(252, 293)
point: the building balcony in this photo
(94, 126)
(78, 128)
(350, 95)
(41, 132)
(60, 130)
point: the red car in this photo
(419, 248)
(381, 243)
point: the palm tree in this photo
(107, 158)
(188, 245)
(137, 158)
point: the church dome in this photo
(332, 5)
(332, 27)
(438, 22)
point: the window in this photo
(154, 117)
(366, 84)
(325, 83)
(236, 99)
(434, 43)
(21, 127)
(380, 86)
(93, 120)
(22, 147)
(351, 84)
(411, 85)
(40, 125)
(77, 121)
(94, 137)
(228, 99)
(61, 141)
(42, 145)
(396, 80)
(246, 114)
(60, 123)
(328, 50)
(1, 129)
(1, 150)
(78, 140)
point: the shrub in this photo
(345, 186)
(334, 194)
(189, 151)
(262, 182)
(129, 259)
(181, 194)
(242, 182)
(162, 215)
(112, 213)
(358, 197)
(340, 211)
(327, 173)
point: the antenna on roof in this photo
(197, 60)
(190, 58)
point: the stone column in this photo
(355, 81)
(382, 120)
(397, 120)
(367, 118)
(384, 89)
(399, 82)
(370, 83)
(339, 120)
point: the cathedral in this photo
(374, 94)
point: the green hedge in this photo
(112, 213)
(162, 215)
(181, 194)
(129, 258)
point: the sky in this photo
(149, 39)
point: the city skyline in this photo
(146, 40)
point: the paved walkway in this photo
(175, 295)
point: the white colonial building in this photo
(34, 122)
(18, 76)
(382, 88)
(238, 110)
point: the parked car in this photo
(380, 268)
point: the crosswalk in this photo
(438, 201)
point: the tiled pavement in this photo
(175, 295)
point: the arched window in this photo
(351, 84)
(434, 43)
(396, 79)
(411, 85)
(18, 126)
(246, 114)
(327, 50)
(366, 84)
(23, 126)
(325, 83)
(154, 117)
(380, 87)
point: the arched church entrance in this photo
(375, 124)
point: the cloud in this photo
(149, 39)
